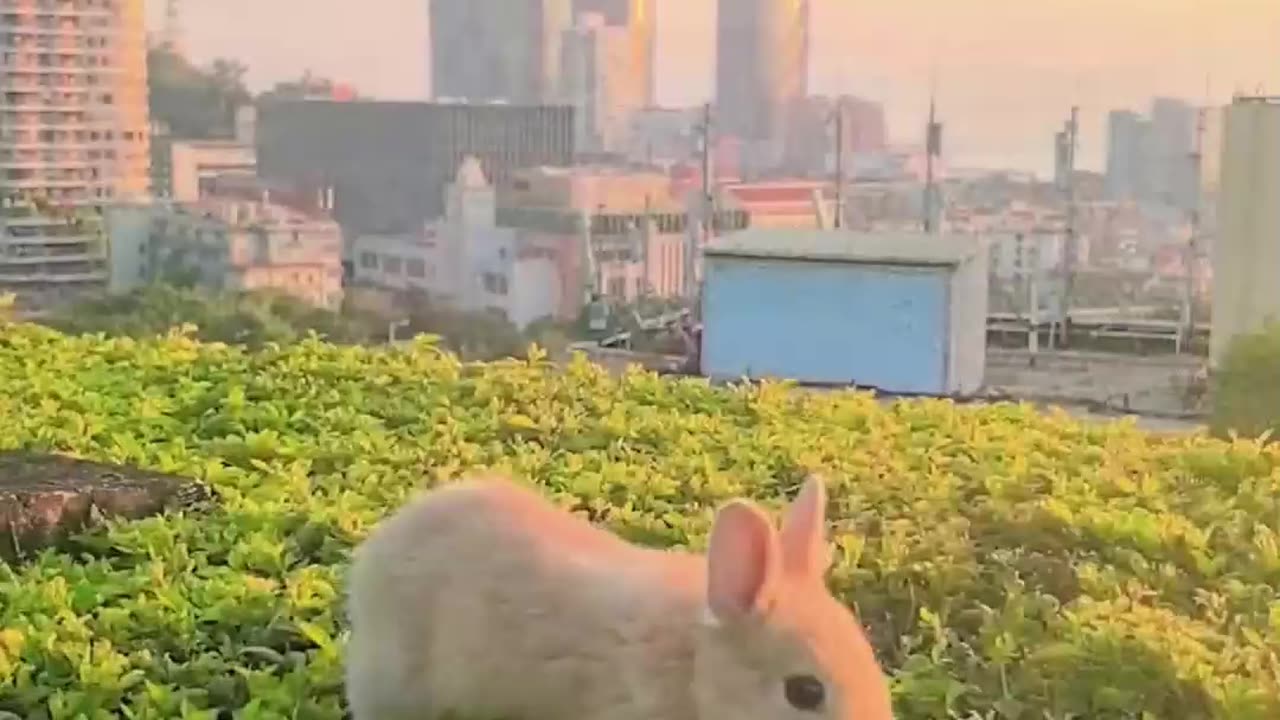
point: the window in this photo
(617, 287)
(415, 268)
(495, 283)
(368, 260)
(391, 264)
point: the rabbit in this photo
(482, 600)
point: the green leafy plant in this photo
(1246, 394)
(1008, 564)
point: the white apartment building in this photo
(463, 259)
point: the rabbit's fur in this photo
(480, 599)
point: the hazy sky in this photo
(1008, 70)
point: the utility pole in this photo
(838, 221)
(933, 146)
(1069, 251)
(1192, 252)
(1033, 312)
(707, 211)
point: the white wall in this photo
(535, 291)
(1246, 254)
(128, 228)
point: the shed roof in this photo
(894, 248)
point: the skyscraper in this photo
(762, 64)
(507, 50)
(640, 20)
(73, 100)
(1128, 150)
(1173, 137)
(1149, 160)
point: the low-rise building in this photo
(899, 312)
(801, 204)
(247, 246)
(463, 260)
(194, 164)
(616, 233)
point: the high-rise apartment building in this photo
(1246, 252)
(762, 65)
(1150, 159)
(640, 19)
(600, 81)
(1128, 141)
(74, 134)
(497, 50)
(1173, 138)
(73, 100)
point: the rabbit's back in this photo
(483, 597)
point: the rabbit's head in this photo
(776, 645)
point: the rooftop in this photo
(896, 248)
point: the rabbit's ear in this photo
(803, 537)
(742, 563)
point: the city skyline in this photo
(1007, 72)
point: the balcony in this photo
(52, 259)
(21, 276)
(42, 9)
(27, 30)
(42, 183)
(30, 68)
(61, 164)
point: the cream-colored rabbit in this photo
(482, 600)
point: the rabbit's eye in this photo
(804, 692)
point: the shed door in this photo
(836, 323)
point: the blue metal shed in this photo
(900, 312)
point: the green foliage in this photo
(481, 335)
(252, 319)
(1009, 565)
(197, 103)
(1246, 394)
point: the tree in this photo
(195, 103)
(238, 318)
(1246, 387)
